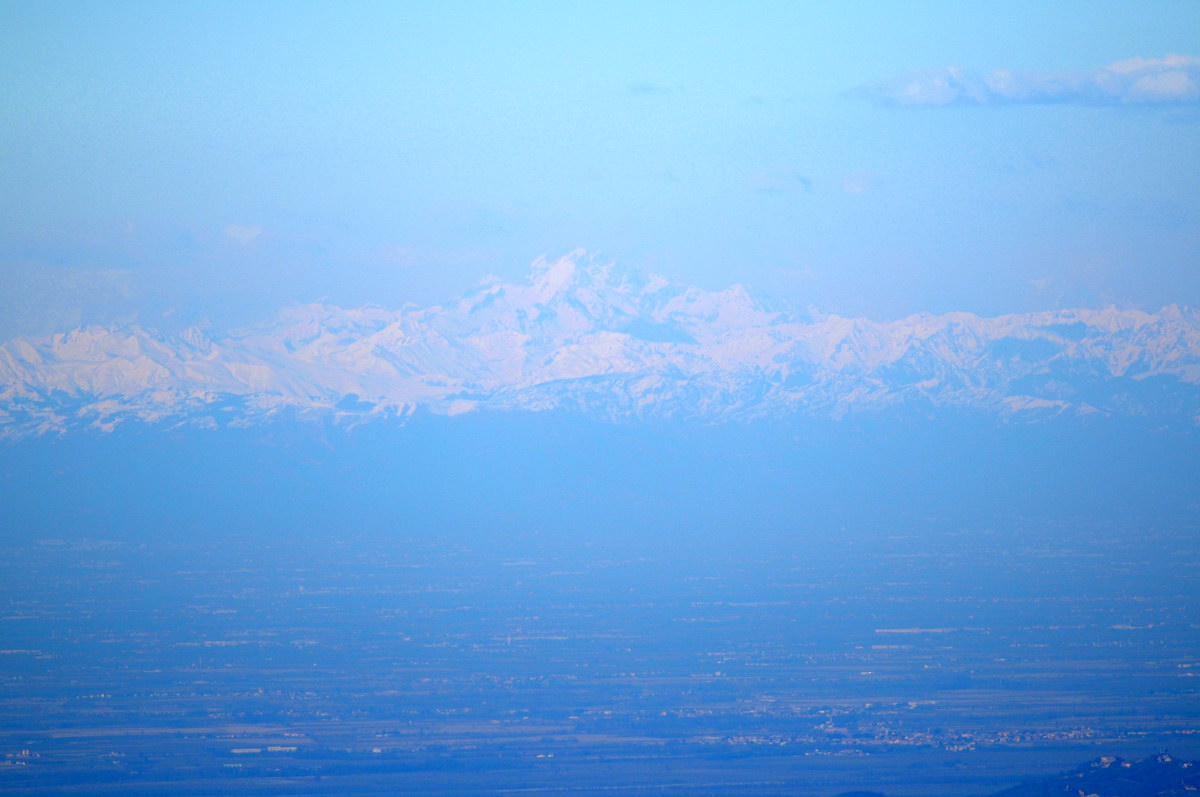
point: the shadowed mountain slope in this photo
(586, 335)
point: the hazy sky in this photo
(172, 161)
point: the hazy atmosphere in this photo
(739, 400)
(182, 162)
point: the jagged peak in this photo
(581, 320)
(579, 269)
(549, 278)
(595, 270)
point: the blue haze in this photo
(176, 163)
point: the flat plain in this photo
(922, 661)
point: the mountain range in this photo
(582, 333)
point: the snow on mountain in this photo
(589, 335)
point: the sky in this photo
(176, 163)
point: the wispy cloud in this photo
(780, 182)
(1171, 80)
(244, 234)
(860, 182)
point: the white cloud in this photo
(860, 182)
(243, 233)
(1172, 80)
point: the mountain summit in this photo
(585, 334)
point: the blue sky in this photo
(168, 162)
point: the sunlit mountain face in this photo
(587, 335)
(597, 531)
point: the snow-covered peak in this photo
(553, 278)
(587, 333)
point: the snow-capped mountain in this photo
(585, 334)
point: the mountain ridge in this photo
(585, 334)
